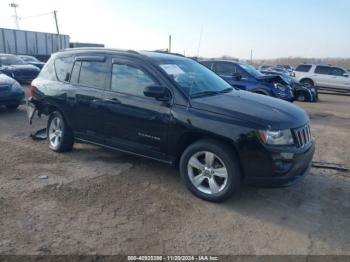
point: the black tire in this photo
(230, 161)
(307, 83)
(316, 96)
(12, 107)
(302, 97)
(67, 139)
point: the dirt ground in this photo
(97, 201)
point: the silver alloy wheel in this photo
(55, 132)
(207, 172)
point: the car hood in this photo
(36, 63)
(21, 68)
(271, 79)
(265, 111)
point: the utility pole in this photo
(251, 56)
(169, 48)
(200, 40)
(55, 16)
(14, 6)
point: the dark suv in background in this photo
(18, 69)
(246, 77)
(172, 109)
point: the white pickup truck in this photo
(323, 76)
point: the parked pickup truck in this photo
(323, 76)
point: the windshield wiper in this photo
(211, 93)
(226, 90)
(205, 93)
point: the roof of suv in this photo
(314, 65)
(221, 61)
(157, 55)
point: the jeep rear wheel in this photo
(60, 136)
(210, 170)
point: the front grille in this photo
(302, 135)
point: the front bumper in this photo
(283, 167)
(287, 95)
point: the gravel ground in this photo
(97, 201)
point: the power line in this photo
(54, 13)
(38, 15)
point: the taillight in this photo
(31, 90)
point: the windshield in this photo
(29, 59)
(194, 79)
(251, 70)
(10, 60)
(282, 70)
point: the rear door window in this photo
(323, 70)
(303, 68)
(93, 74)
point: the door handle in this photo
(112, 101)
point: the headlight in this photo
(280, 87)
(276, 137)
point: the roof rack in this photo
(168, 53)
(99, 49)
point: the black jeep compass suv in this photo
(172, 109)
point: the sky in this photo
(207, 28)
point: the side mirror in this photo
(346, 75)
(158, 92)
(237, 76)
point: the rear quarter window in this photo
(48, 71)
(303, 68)
(63, 68)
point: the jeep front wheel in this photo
(210, 170)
